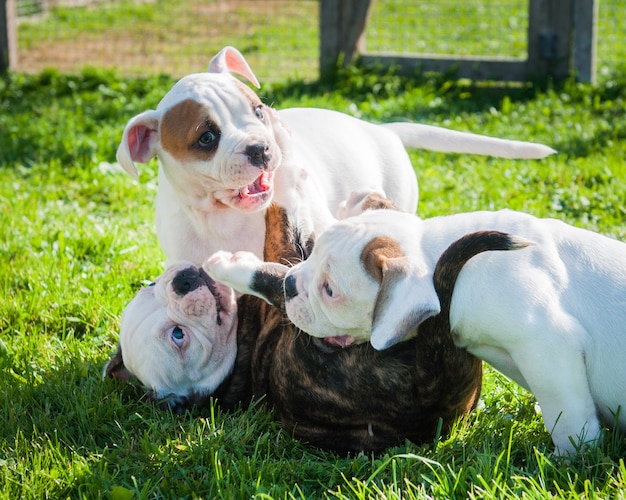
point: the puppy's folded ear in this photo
(115, 368)
(403, 303)
(405, 298)
(139, 141)
(230, 60)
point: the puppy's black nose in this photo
(290, 287)
(258, 154)
(187, 281)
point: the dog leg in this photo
(360, 201)
(559, 382)
(247, 274)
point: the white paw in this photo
(218, 261)
(233, 269)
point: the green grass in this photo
(280, 38)
(479, 27)
(174, 36)
(78, 240)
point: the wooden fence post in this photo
(342, 26)
(8, 35)
(549, 38)
(585, 38)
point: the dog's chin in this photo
(179, 404)
(333, 344)
(341, 341)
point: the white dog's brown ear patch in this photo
(377, 253)
(404, 300)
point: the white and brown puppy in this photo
(551, 316)
(220, 159)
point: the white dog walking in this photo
(551, 316)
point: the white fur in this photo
(551, 316)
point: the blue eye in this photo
(328, 289)
(178, 336)
(259, 113)
(208, 139)
(152, 284)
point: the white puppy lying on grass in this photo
(550, 315)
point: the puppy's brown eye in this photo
(258, 111)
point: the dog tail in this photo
(443, 140)
(460, 251)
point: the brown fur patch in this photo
(181, 127)
(283, 242)
(376, 254)
(361, 399)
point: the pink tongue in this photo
(260, 185)
(341, 341)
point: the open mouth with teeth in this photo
(260, 188)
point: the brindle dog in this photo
(349, 399)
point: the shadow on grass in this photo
(79, 118)
(361, 84)
(65, 422)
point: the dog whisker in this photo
(300, 332)
(292, 260)
(301, 250)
